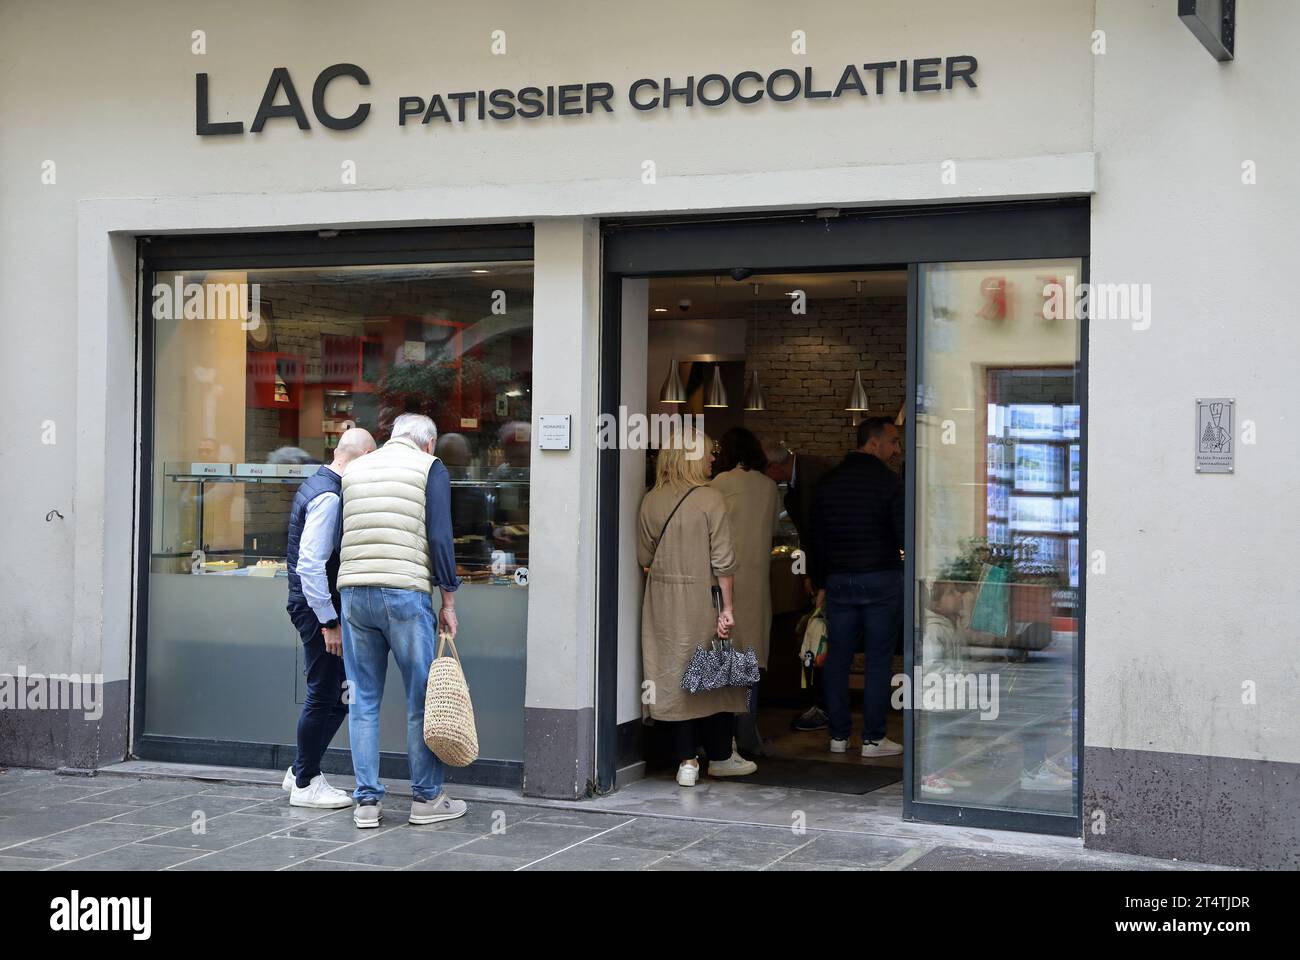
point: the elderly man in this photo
(396, 547)
(313, 561)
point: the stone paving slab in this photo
(129, 822)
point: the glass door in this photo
(995, 592)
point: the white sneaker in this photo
(1043, 780)
(884, 747)
(290, 781)
(319, 795)
(839, 746)
(688, 774)
(733, 766)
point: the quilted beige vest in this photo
(385, 541)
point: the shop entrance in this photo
(783, 335)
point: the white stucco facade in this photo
(1194, 600)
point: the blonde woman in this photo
(684, 546)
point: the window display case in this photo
(489, 522)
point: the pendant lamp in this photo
(754, 399)
(858, 397)
(673, 390)
(717, 395)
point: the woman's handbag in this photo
(449, 729)
(720, 665)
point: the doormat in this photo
(850, 778)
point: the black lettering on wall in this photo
(268, 111)
(318, 97)
(202, 127)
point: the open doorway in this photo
(943, 320)
(780, 368)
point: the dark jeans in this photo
(323, 709)
(714, 732)
(863, 611)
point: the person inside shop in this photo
(397, 550)
(471, 512)
(510, 520)
(857, 569)
(313, 565)
(754, 512)
(801, 474)
(684, 547)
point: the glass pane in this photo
(256, 375)
(997, 540)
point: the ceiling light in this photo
(717, 396)
(673, 390)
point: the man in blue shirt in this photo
(314, 604)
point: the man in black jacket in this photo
(857, 568)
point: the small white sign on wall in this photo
(1215, 424)
(553, 432)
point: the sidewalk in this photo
(149, 816)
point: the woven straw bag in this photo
(448, 713)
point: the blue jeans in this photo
(323, 709)
(375, 621)
(863, 612)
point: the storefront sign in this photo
(1214, 430)
(553, 432)
(878, 78)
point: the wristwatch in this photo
(330, 624)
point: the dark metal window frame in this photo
(857, 239)
(344, 248)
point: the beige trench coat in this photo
(677, 613)
(753, 509)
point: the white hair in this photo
(416, 427)
(776, 451)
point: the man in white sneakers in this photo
(396, 549)
(313, 561)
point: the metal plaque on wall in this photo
(1215, 424)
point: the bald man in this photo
(313, 559)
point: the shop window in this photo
(250, 397)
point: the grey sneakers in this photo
(441, 807)
(368, 815)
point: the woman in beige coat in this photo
(684, 546)
(753, 508)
